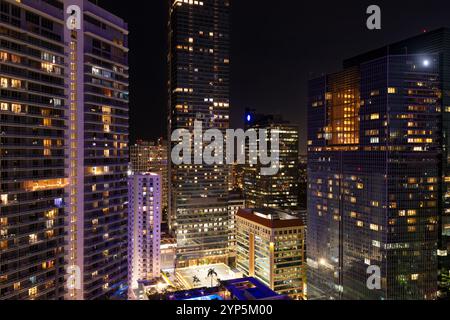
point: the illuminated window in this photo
(32, 291)
(374, 116)
(4, 82)
(4, 106)
(32, 238)
(47, 122)
(3, 56)
(16, 108)
(16, 83)
(392, 90)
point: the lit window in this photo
(4, 82)
(32, 291)
(392, 90)
(16, 108)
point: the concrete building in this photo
(144, 228)
(97, 153)
(271, 248)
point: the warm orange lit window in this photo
(32, 291)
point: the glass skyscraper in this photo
(280, 190)
(374, 146)
(199, 60)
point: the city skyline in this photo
(107, 192)
(275, 52)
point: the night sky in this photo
(276, 47)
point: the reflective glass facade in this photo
(373, 179)
(280, 190)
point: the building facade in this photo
(236, 202)
(97, 81)
(199, 58)
(373, 179)
(32, 170)
(280, 190)
(151, 156)
(144, 228)
(271, 247)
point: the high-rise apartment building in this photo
(199, 58)
(271, 248)
(374, 178)
(144, 228)
(97, 81)
(33, 101)
(64, 109)
(151, 156)
(280, 190)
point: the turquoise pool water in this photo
(211, 297)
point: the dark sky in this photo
(276, 47)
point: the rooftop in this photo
(270, 218)
(235, 289)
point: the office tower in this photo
(144, 228)
(236, 202)
(32, 126)
(151, 156)
(98, 152)
(426, 43)
(199, 40)
(373, 176)
(271, 248)
(279, 190)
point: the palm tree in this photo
(195, 280)
(211, 274)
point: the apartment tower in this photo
(96, 201)
(33, 104)
(144, 228)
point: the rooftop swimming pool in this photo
(210, 297)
